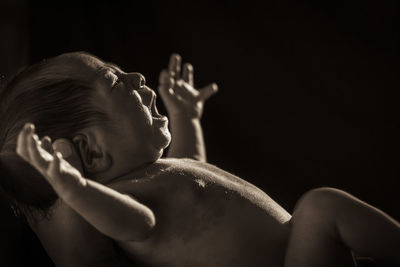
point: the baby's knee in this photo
(324, 202)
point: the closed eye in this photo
(116, 83)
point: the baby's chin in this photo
(161, 143)
(158, 155)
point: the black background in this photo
(308, 89)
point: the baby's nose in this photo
(136, 79)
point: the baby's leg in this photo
(327, 223)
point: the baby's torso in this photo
(204, 217)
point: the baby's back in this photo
(204, 217)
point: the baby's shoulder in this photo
(187, 169)
(164, 175)
(163, 168)
(183, 165)
(176, 163)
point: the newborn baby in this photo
(119, 202)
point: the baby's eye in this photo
(116, 83)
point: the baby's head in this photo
(109, 116)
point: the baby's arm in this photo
(185, 106)
(116, 215)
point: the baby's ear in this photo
(93, 159)
(67, 149)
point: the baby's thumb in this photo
(67, 150)
(208, 91)
(64, 147)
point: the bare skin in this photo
(181, 212)
(204, 216)
(224, 221)
(208, 217)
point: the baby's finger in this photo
(163, 79)
(165, 89)
(165, 85)
(187, 73)
(64, 146)
(55, 165)
(35, 157)
(174, 66)
(208, 91)
(46, 144)
(184, 92)
(22, 147)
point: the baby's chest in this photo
(185, 232)
(198, 216)
(173, 189)
(194, 230)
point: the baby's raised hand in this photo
(177, 90)
(40, 154)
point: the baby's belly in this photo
(212, 220)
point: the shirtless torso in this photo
(204, 217)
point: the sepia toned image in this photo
(199, 133)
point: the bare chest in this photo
(207, 217)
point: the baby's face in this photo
(138, 133)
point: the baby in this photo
(119, 202)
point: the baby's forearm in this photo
(187, 139)
(114, 214)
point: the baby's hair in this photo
(59, 106)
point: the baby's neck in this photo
(136, 171)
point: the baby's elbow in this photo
(138, 229)
(142, 234)
(148, 226)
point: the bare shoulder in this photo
(163, 173)
(154, 179)
(168, 179)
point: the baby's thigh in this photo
(319, 211)
(323, 204)
(314, 240)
